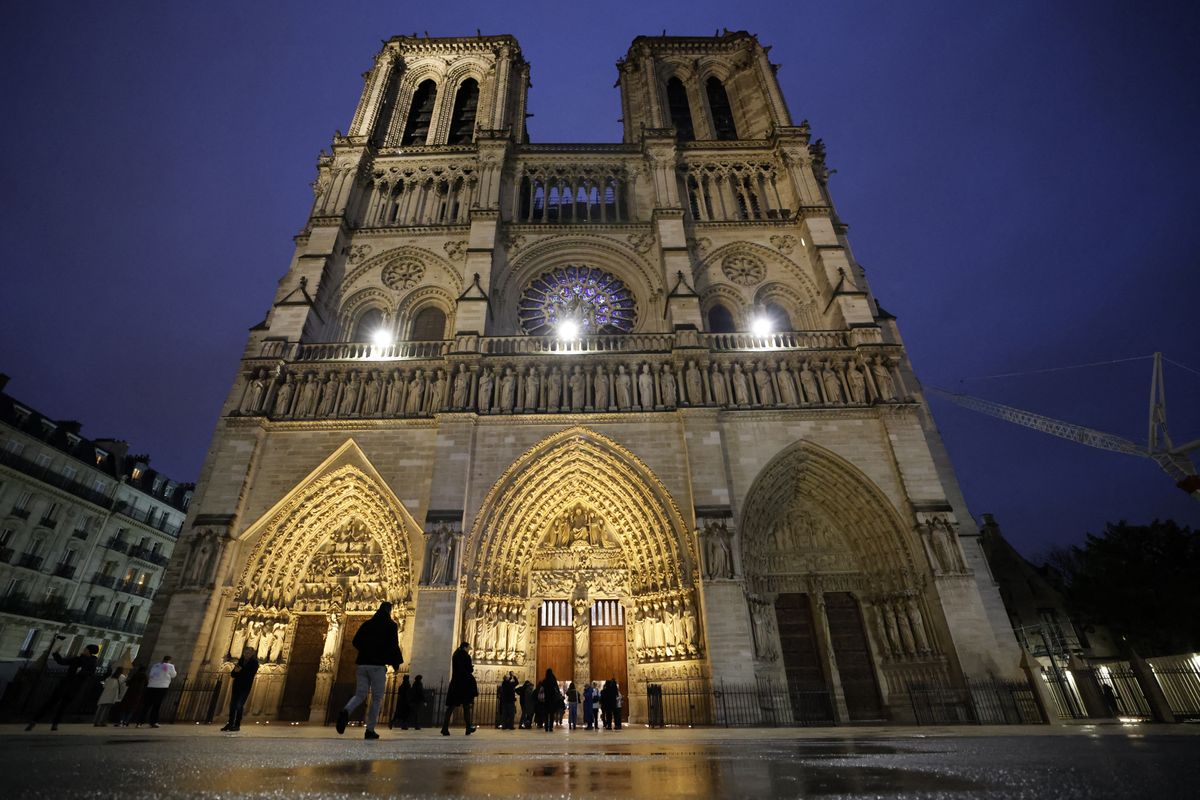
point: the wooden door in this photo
(303, 662)
(346, 680)
(852, 655)
(608, 660)
(556, 651)
(807, 687)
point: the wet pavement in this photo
(313, 762)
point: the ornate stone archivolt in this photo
(398, 262)
(744, 259)
(340, 530)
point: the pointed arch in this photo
(680, 110)
(719, 106)
(578, 465)
(345, 490)
(420, 114)
(462, 119)
(807, 479)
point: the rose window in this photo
(744, 270)
(594, 300)
(403, 274)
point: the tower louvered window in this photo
(681, 111)
(722, 112)
(420, 114)
(462, 123)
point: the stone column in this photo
(825, 647)
(583, 633)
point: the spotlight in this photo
(568, 329)
(761, 326)
(381, 338)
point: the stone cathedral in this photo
(624, 410)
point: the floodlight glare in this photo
(381, 338)
(568, 329)
(761, 326)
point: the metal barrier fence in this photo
(1181, 685)
(187, 700)
(979, 701)
(736, 705)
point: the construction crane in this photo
(1175, 461)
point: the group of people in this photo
(137, 698)
(552, 703)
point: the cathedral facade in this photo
(624, 410)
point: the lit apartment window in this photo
(130, 575)
(100, 456)
(141, 581)
(137, 473)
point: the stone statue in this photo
(857, 384)
(508, 389)
(741, 389)
(471, 623)
(808, 381)
(691, 379)
(906, 634)
(942, 534)
(283, 398)
(582, 636)
(531, 390)
(255, 392)
(918, 626)
(440, 558)
(762, 380)
(578, 386)
(416, 395)
(762, 614)
(306, 406)
(646, 387)
(275, 643)
(486, 382)
(720, 554)
(349, 396)
(554, 390)
(889, 618)
(371, 395)
(437, 393)
(833, 387)
(883, 380)
(329, 393)
(624, 387)
(666, 386)
(600, 387)
(787, 386)
(395, 401)
(720, 394)
(202, 555)
(461, 383)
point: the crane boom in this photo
(1054, 427)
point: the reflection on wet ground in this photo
(654, 765)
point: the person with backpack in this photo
(378, 646)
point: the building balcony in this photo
(79, 533)
(636, 372)
(29, 561)
(64, 571)
(118, 544)
(6, 555)
(107, 581)
(19, 513)
(108, 622)
(148, 555)
(46, 522)
(159, 522)
(56, 479)
(131, 587)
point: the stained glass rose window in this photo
(596, 301)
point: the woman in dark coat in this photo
(462, 690)
(550, 700)
(243, 681)
(416, 701)
(135, 687)
(400, 715)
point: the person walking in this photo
(402, 710)
(572, 705)
(158, 680)
(462, 690)
(508, 702)
(114, 690)
(416, 701)
(608, 702)
(549, 700)
(135, 691)
(378, 644)
(525, 693)
(589, 695)
(243, 680)
(80, 669)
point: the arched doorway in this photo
(581, 546)
(831, 574)
(325, 558)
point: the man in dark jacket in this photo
(243, 680)
(462, 690)
(508, 702)
(79, 669)
(378, 646)
(608, 703)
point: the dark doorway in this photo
(346, 680)
(303, 663)
(807, 687)
(853, 657)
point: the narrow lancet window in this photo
(420, 114)
(722, 112)
(462, 122)
(681, 112)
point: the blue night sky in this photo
(1022, 184)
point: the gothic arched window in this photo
(780, 321)
(681, 111)
(596, 301)
(722, 112)
(420, 114)
(429, 325)
(720, 320)
(368, 324)
(462, 122)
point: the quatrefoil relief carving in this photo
(744, 270)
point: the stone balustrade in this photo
(543, 375)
